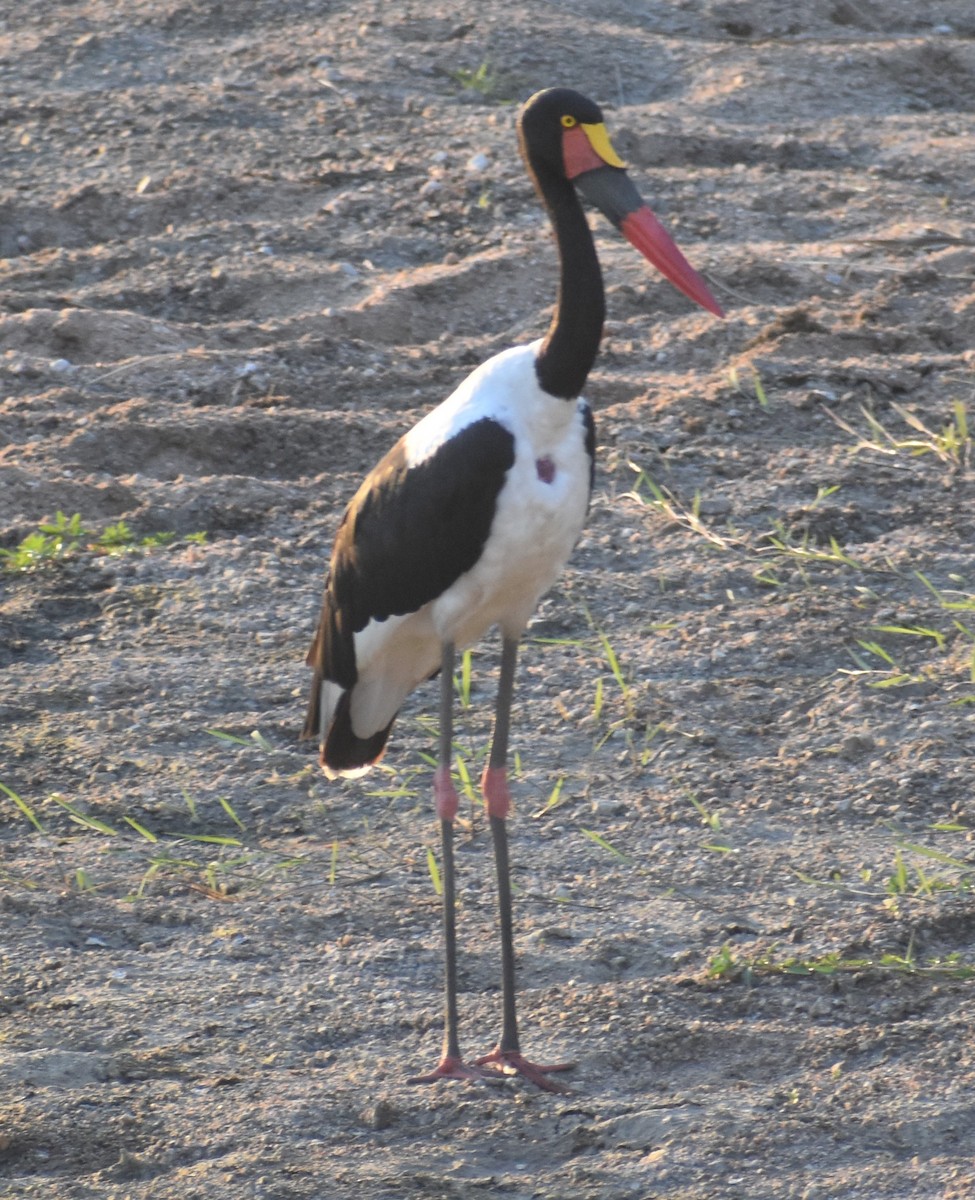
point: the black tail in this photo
(343, 751)
(313, 715)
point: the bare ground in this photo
(244, 248)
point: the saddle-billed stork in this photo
(469, 519)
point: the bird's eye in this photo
(568, 121)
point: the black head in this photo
(544, 119)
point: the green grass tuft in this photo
(60, 539)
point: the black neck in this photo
(570, 347)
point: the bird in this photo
(469, 519)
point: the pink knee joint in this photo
(444, 794)
(494, 789)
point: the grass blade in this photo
(936, 855)
(228, 809)
(603, 844)
(554, 800)
(434, 872)
(24, 807)
(211, 839)
(141, 829)
(85, 819)
(233, 738)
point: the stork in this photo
(470, 518)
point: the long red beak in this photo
(611, 191)
(642, 230)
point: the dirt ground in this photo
(244, 248)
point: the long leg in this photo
(451, 1066)
(507, 1056)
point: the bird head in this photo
(562, 135)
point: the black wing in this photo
(408, 534)
(589, 425)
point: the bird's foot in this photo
(451, 1067)
(510, 1062)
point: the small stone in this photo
(383, 1115)
(856, 745)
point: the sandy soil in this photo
(245, 246)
